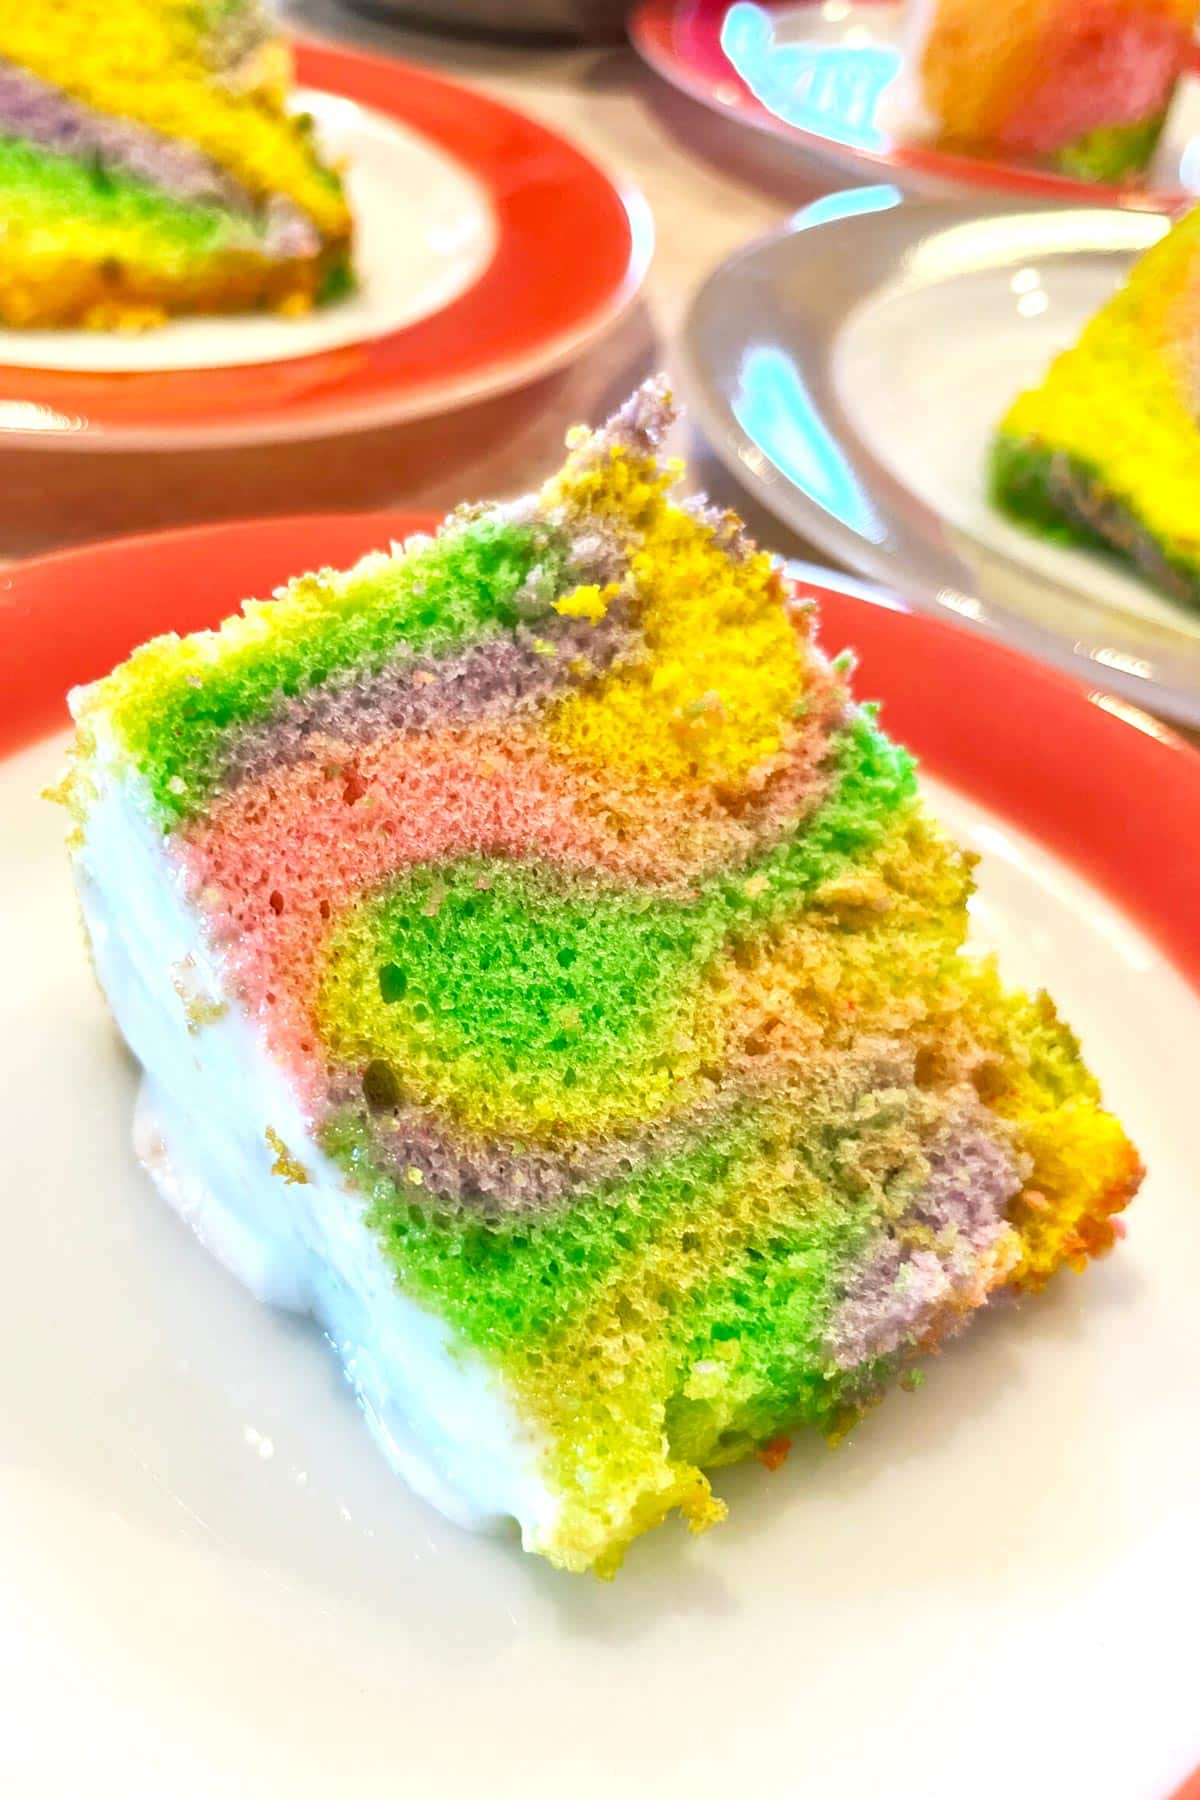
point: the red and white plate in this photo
(206, 1568)
(489, 250)
(813, 72)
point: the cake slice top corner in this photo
(507, 609)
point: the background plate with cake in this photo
(1045, 98)
(855, 369)
(199, 253)
(205, 1558)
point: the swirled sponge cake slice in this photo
(548, 975)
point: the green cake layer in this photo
(1112, 153)
(1067, 503)
(57, 207)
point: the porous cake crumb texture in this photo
(621, 970)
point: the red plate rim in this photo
(1099, 783)
(681, 39)
(572, 249)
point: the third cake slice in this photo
(1106, 450)
(148, 166)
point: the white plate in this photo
(851, 369)
(424, 233)
(210, 1584)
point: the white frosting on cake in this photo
(209, 1098)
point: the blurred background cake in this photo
(1081, 85)
(148, 166)
(553, 21)
(1105, 451)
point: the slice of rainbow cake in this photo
(1082, 86)
(148, 166)
(548, 976)
(1106, 451)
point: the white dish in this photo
(851, 369)
(210, 1582)
(424, 233)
